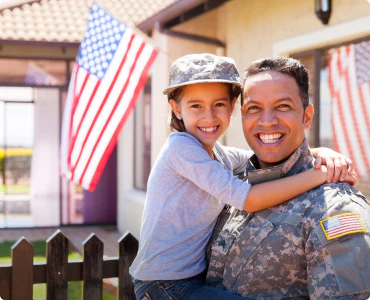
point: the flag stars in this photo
(100, 42)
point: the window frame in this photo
(317, 54)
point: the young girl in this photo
(192, 179)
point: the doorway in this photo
(16, 148)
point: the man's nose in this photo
(268, 118)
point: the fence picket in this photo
(93, 249)
(16, 280)
(127, 249)
(22, 270)
(57, 246)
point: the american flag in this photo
(341, 225)
(110, 70)
(349, 83)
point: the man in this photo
(316, 245)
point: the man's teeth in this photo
(270, 138)
(208, 129)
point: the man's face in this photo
(273, 117)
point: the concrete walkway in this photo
(75, 234)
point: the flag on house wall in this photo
(110, 70)
(349, 83)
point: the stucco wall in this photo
(254, 26)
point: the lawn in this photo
(15, 189)
(39, 290)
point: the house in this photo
(39, 41)
(42, 38)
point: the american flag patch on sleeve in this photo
(340, 225)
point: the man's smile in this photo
(269, 138)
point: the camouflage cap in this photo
(200, 68)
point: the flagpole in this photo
(136, 30)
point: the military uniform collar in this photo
(298, 162)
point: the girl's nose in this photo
(209, 115)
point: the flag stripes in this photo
(350, 116)
(104, 93)
(340, 225)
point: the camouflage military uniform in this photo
(283, 252)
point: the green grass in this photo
(15, 189)
(39, 290)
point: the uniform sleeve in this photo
(338, 257)
(239, 158)
(188, 158)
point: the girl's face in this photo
(205, 109)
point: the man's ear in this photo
(233, 101)
(175, 107)
(308, 116)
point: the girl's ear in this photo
(175, 107)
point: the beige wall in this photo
(254, 26)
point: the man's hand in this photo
(340, 167)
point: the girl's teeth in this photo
(270, 138)
(209, 129)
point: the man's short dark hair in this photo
(284, 65)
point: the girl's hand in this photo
(340, 167)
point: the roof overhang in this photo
(179, 11)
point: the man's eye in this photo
(283, 107)
(252, 109)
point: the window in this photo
(340, 91)
(142, 138)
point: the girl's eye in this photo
(220, 104)
(195, 106)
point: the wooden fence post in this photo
(128, 246)
(22, 270)
(92, 271)
(57, 247)
(4, 289)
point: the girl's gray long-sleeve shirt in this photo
(187, 190)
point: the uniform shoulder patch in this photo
(340, 225)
